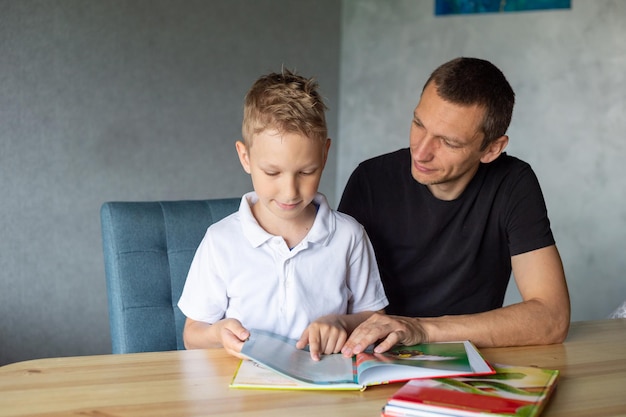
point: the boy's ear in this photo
(244, 157)
(326, 148)
(494, 149)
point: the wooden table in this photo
(195, 383)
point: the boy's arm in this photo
(329, 333)
(227, 333)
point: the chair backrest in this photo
(148, 248)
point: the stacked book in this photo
(511, 391)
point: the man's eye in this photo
(453, 145)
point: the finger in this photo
(339, 342)
(314, 349)
(390, 341)
(362, 336)
(232, 344)
(335, 340)
(236, 328)
(304, 340)
(368, 336)
(243, 335)
(315, 346)
(356, 345)
(351, 343)
(328, 343)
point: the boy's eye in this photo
(271, 174)
(307, 172)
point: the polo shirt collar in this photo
(321, 232)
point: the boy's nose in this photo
(290, 187)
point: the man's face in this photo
(445, 142)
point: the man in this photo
(451, 217)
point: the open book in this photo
(276, 363)
(511, 391)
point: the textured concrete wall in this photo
(125, 100)
(141, 100)
(568, 68)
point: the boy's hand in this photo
(232, 335)
(325, 335)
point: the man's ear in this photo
(494, 149)
(244, 157)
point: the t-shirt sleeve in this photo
(367, 292)
(527, 222)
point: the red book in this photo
(511, 391)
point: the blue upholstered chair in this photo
(148, 248)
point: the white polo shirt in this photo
(241, 271)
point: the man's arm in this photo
(541, 318)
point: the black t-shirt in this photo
(447, 257)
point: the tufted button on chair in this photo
(148, 248)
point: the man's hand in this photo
(390, 330)
(325, 335)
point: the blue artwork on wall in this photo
(445, 7)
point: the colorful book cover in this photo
(511, 391)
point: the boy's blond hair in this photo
(286, 102)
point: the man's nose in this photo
(423, 147)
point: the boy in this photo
(285, 262)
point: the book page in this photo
(421, 361)
(476, 360)
(281, 355)
(253, 375)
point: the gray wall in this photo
(125, 100)
(141, 100)
(568, 69)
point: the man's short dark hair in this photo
(473, 81)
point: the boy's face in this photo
(286, 169)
